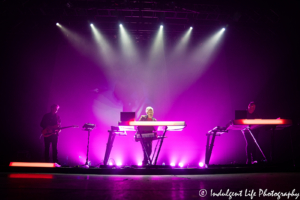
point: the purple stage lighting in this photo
(119, 163)
(140, 163)
(120, 90)
(201, 164)
(180, 164)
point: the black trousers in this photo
(51, 140)
(148, 147)
(251, 146)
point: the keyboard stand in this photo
(109, 145)
(209, 147)
(217, 131)
(248, 129)
(144, 149)
(111, 138)
(156, 147)
(161, 141)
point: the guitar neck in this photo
(63, 127)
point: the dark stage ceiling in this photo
(263, 19)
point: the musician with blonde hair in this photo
(147, 141)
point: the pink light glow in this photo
(140, 164)
(180, 164)
(110, 163)
(201, 164)
(119, 163)
(48, 176)
(172, 164)
(28, 164)
(264, 121)
(154, 123)
(131, 89)
(171, 125)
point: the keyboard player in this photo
(147, 129)
(250, 144)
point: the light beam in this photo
(182, 44)
(127, 45)
(202, 56)
(105, 49)
(157, 49)
(78, 41)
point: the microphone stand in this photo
(88, 128)
(87, 148)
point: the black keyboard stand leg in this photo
(161, 141)
(153, 155)
(257, 144)
(144, 149)
(109, 146)
(210, 148)
(207, 156)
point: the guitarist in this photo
(51, 119)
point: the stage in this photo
(197, 89)
(159, 183)
(157, 170)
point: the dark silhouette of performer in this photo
(250, 144)
(51, 119)
(147, 129)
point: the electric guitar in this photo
(51, 130)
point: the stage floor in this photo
(91, 186)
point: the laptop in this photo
(240, 114)
(127, 116)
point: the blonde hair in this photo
(149, 108)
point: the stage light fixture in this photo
(161, 26)
(172, 164)
(121, 25)
(223, 29)
(191, 28)
(119, 163)
(180, 164)
(91, 24)
(57, 24)
(140, 163)
(110, 163)
(201, 164)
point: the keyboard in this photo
(240, 124)
(171, 125)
